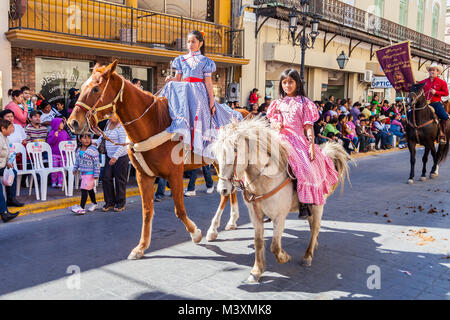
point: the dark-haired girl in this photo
(17, 105)
(195, 114)
(294, 115)
(87, 163)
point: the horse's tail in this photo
(340, 158)
(442, 152)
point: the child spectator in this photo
(6, 128)
(87, 163)
(48, 114)
(18, 135)
(352, 130)
(55, 136)
(398, 130)
(35, 131)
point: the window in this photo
(420, 14)
(403, 19)
(434, 27)
(195, 9)
(54, 77)
(379, 8)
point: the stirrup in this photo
(304, 210)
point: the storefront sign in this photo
(396, 63)
(380, 82)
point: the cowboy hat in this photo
(436, 66)
(382, 118)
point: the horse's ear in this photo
(110, 69)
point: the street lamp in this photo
(342, 60)
(305, 41)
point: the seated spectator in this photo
(35, 131)
(6, 161)
(373, 109)
(48, 114)
(344, 107)
(355, 112)
(352, 129)
(385, 108)
(383, 133)
(60, 110)
(263, 107)
(57, 135)
(236, 105)
(319, 127)
(366, 112)
(17, 106)
(333, 112)
(331, 127)
(344, 133)
(366, 139)
(18, 134)
(398, 130)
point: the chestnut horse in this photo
(153, 151)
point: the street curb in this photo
(58, 204)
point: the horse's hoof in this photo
(423, 179)
(196, 236)
(230, 227)
(410, 181)
(433, 175)
(253, 278)
(135, 255)
(212, 235)
(306, 262)
(283, 258)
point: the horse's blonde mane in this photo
(256, 130)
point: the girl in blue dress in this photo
(196, 116)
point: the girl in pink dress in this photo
(294, 115)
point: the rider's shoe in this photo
(442, 131)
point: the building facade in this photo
(356, 27)
(53, 45)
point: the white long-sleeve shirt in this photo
(118, 135)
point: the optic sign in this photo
(381, 82)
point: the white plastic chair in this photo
(35, 150)
(18, 148)
(67, 150)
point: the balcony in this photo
(92, 20)
(343, 19)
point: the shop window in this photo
(145, 75)
(195, 9)
(54, 77)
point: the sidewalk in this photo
(57, 200)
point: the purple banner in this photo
(395, 61)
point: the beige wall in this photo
(392, 13)
(5, 54)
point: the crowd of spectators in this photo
(358, 127)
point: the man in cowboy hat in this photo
(434, 89)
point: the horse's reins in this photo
(414, 123)
(91, 112)
(248, 196)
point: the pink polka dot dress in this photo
(315, 178)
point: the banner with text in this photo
(395, 61)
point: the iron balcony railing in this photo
(103, 21)
(340, 13)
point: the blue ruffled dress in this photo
(189, 104)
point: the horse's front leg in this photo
(176, 185)
(145, 184)
(314, 223)
(412, 160)
(424, 163)
(234, 212)
(215, 222)
(260, 259)
(275, 247)
(434, 170)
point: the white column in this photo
(5, 54)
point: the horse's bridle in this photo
(414, 109)
(251, 197)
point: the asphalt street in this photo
(380, 239)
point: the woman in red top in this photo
(436, 88)
(16, 106)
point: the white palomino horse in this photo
(252, 154)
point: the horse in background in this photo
(423, 128)
(153, 151)
(253, 156)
